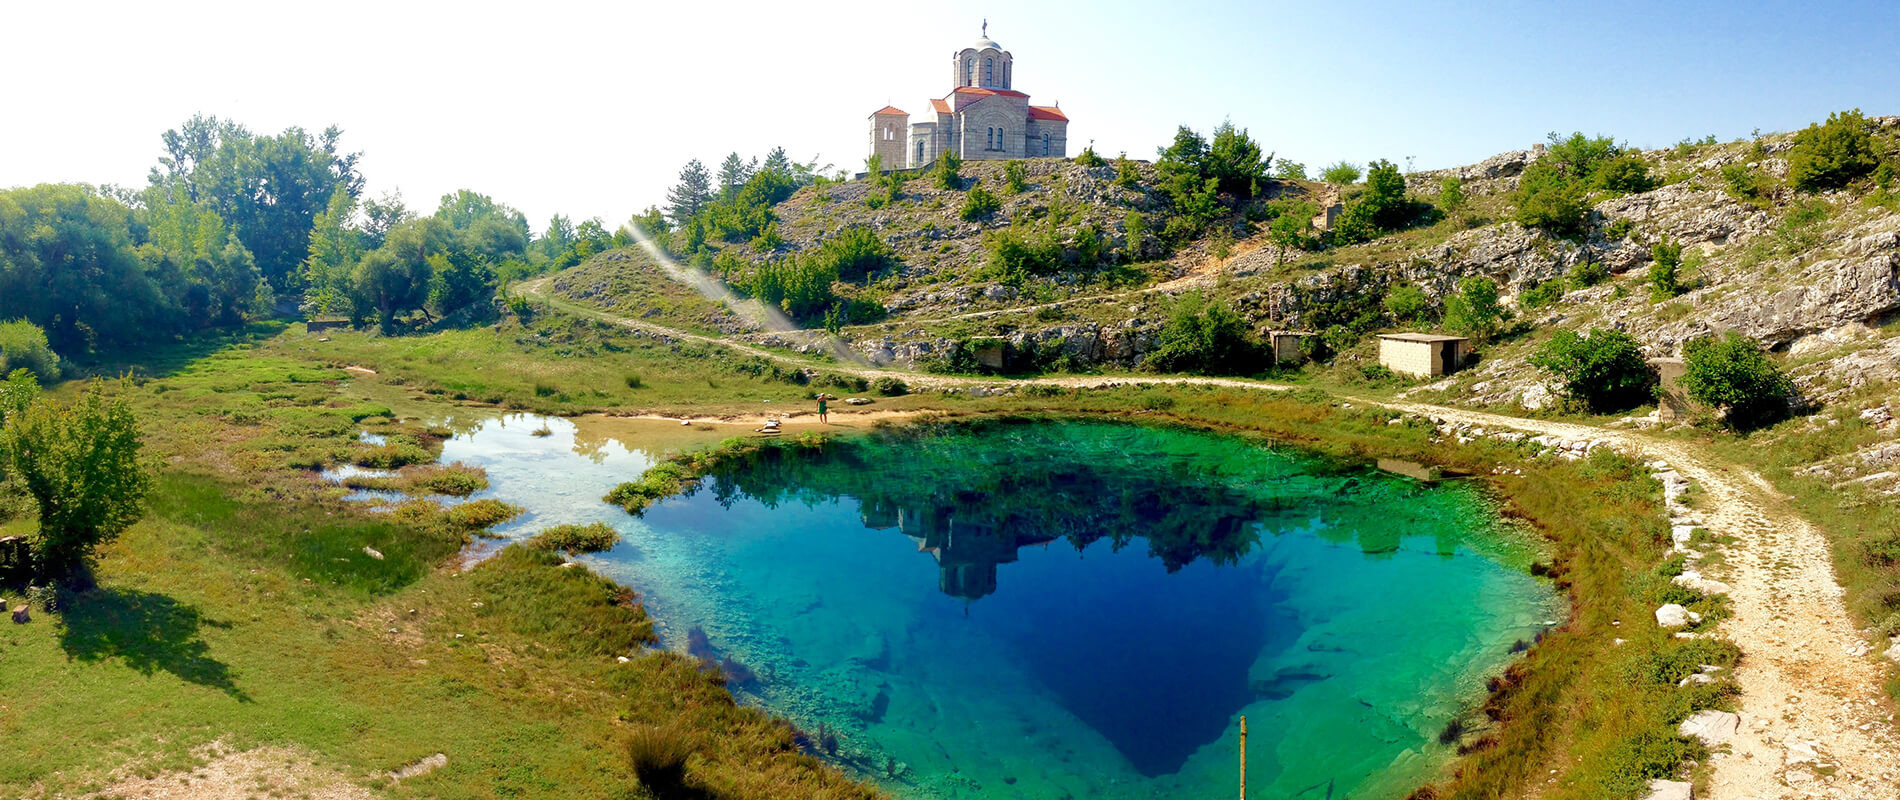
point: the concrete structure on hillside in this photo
(1423, 355)
(1287, 347)
(983, 118)
(1672, 403)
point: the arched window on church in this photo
(989, 72)
(969, 72)
(1045, 144)
(989, 143)
(1006, 71)
(920, 151)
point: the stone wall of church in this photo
(1009, 116)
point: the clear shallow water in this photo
(1060, 610)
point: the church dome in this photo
(985, 44)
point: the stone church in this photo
(983, 118)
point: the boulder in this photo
(1672, 615)
(20, 616)
(1693, 580)
(1712, 727)
(1670, 790)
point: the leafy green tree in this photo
(1579, 156)
(80, 464)
(269, 189)
(1236, 162)
(206, 274)
(458, 279)
(1605, 368)
(1829, 156)
(1342, 173)
(493, 231)
(692, 193)
(380, 215)
(1665, 260)
(334, 250)
(1451, 195)
(1289, 170)
(1206, 337)
(1624, 174)
(1292, 226)
(1733, 373)
(23, 345)
(1474, 309)
(979, 204)
(68, 265)
(944, 172)
(1088, 158)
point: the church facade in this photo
(983, 117)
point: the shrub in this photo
(853, 253)
(663, 480)
(890, 387)
(1541, 295)
(1407, 302)
(1127, 173)
(944, 172)
(1548, 200)
(1829, 156)
(1474, 309)
(1665, 259)
(1289, 170)
(633, 381)
(593, 537)
(1618, 230)
(1627, 174)
(1587, 274)
(1015, 177)
(1342, 173)
(393, 455)
(80, 464)
(23, 346)
(1605, 368)
(1088, 158)
(1206, 337)
(1292, 225)
(658, 758)
(1451, 195)
(1734, 374)
(979, 204)
(1746, 185)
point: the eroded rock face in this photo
(1687, 214)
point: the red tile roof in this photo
(889, 110)
(942, 106)
(977, 90)
(1047, 112)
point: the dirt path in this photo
(1814, 719)
(1814, 723)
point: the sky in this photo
(590, 109)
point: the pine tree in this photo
(692, 193)
(733, 173)
(777, 161)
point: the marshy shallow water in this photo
(1061, 609)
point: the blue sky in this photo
(590, 108)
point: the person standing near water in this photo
(821, 408)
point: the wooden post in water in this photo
(1243, 757)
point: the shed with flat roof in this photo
(1423, 355)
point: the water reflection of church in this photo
(966, 552)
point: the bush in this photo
(593, 537)
(662, 480)
(1734, 374)
(1205, 337)
(1626, 174)
(1588, 274)
(80, 464)
(1665, 259)
(1605, 369)
(979, 204)
(1548, 200)
(1342, 173)
(658, 758)
(1015, 177)
(1474, 309)
(1829, 156)
(890, 387)
(23, 346)
(1407, 302)
(1127, 173)
(1088, 158)
(944, 172)
(1746, 185)
(1541, 295)
(854, 253)
(1451, 195)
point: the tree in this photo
(1342, 173)
(733, 173)
(1451, 195)
(334, 250)
(23, 346)
(494, 231)
(269, 189)
(1665, 258)
(1289, 170)
(691, 194)
(68, 265)
(1625, 174)
(1474, 309)
(1829, 156)
(1734, 374)
(1385, 196)
(80, 464)
(1205, 337)
(380, 214)
(1292, 226)
(206, 274)
(1234, 160)
(1548, 200)
(1605, 368)
(777, 161)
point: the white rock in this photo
(1712, 727)
(1670, 790)
(372, 552)
(1672, 615)
(1691, 579)
(1682, 533)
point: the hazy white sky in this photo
(590, 109)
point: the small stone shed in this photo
(1423, 355)
(1287, 347)
(1672, 402)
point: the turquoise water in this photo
(1051, 610)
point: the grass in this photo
(590, 538)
